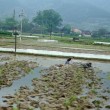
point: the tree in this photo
(10, 23)
(49, 19)
(99, 33)
(66, 29)
(1, 24)
(102, 32)
(27, 26)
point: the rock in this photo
(61, 100)
(34, 104)
(71, 108)
(43, 103)
(21, 99)
(5, 108)
(57, 106)
(22, 96)
(48, 108)
(24, 105)
(89, 106)
(5, 101)
(74, 104)
(10, 102)
(8, 97)
(24, 87)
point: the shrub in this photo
(6, 33)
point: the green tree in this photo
(66, 29)
(27, 26)
(10, 23)
(49, 19)
(100, 32)
(1, 24)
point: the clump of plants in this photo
(14, 70)
(68, 102)
(62, 88)
(108, 106)
(97, 103)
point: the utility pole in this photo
(15, 33)
(14, 20)
(21, 16)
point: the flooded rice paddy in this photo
(102, 72)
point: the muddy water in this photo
(44, 62)
(27, 80)
(24, 81)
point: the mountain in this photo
(84, 14)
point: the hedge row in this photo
(6, 33)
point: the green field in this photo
(84, 43)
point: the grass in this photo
(66, 41)
(83, 42)
(69, 101)
(15, 109)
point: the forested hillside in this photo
(79, 13)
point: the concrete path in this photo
(102, 43)
(26, 36)
(58, 53)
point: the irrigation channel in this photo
(46, 62)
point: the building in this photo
(86, 33)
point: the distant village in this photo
(86, 33)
